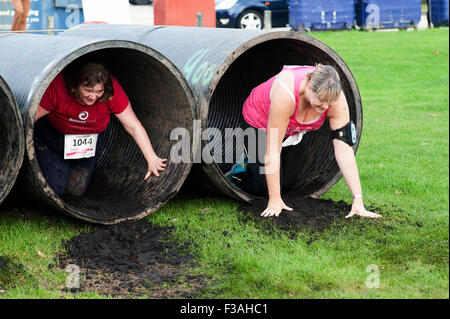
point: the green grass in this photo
(403, 161)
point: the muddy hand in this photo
(155, 165)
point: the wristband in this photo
(356, 196)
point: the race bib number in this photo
(79, 146)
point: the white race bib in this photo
(79, 145)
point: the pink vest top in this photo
(257, 105)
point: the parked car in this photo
(249, 14)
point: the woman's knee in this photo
(79, 180)
(21, 10)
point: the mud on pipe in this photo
(159, 95)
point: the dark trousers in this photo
(70, 176)
(429, 13)
(253, 180)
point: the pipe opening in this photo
(11, 141)
(117, 190)
(316, 165)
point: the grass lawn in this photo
(403, 161)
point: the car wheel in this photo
(251, 19)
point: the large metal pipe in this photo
(161, 99)
(223, 66)
(12, 142)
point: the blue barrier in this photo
(439, 12)
(387, 13)
(45, 14)
(321, 14)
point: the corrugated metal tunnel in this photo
(223, 66)
(11, 140)
(159, 95)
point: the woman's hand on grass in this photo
(359, 209)
(274, 207)
(155, 165)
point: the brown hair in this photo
(88, 74)
(325, 83)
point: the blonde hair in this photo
(325, 83)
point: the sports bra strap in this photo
(286, 88)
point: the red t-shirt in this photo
(69, 116)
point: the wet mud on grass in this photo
(127, 260)
(138, 259)
(133, 259)
(310, 214)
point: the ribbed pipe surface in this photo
(159, 95)
(223, 66)
(12, 142)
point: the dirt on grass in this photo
(133, 259)
(138, 259)
(307, 213)
(127, 260)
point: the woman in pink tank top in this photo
(288, 105)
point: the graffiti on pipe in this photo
(197, 69)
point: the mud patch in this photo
(133, 259)
(307, 214)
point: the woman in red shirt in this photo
(70, 123)
(286, 107)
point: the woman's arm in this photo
(339, 116)
(134, 127)
(281, 109)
